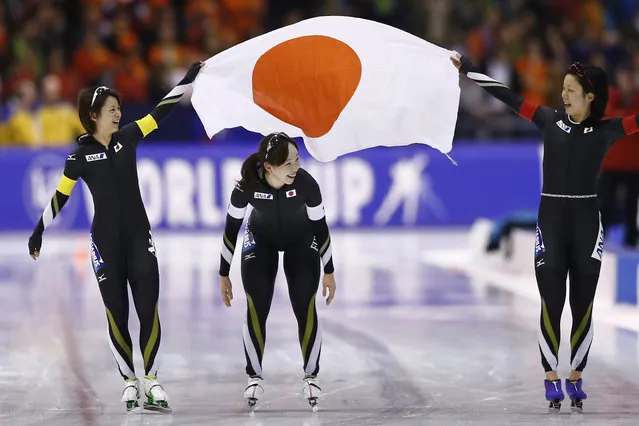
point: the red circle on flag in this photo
(307, 81)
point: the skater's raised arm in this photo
(528, 110)
(621, 127)
(134, 132)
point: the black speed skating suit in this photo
(290, 219)
(569, 240)
(121, 243)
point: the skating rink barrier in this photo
(511, 267)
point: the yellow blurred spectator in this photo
(22, 128)
(58, 119)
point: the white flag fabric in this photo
(343, 84)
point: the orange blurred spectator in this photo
(125, 37)
(245, 18)
(92, 58)
(131, 78)
(168, 51)
(202, 18)
(593, 16)
(69, 80)
(533, 71)
(482, 38)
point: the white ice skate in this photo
(131, 394)
(254, 390)
(156, 398)
(311, 391)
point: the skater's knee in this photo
(550, 273)
(552, 306)
(150, 321)
(304, 308)
(146, 284)
(585, 279)
(257, 307)
(118, 320)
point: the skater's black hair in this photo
(593, 80)
(272, 149)
(90, 103)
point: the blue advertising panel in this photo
(187, 187)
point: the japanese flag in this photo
(343, 84)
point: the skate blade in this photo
(554, 407)
(132, 407)
(576, 407)
(158, 408)
(252, 403)
(313, 403)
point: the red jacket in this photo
(624, 154)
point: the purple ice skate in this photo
(575, 393)
(554, 394)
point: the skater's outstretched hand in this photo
(227, 290)
(462, 63)
(456, 60)
(35, 243)
(328, 283)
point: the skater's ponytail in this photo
(249, 168)
(271, 150)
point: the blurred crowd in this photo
(528, 45)
(50, 49)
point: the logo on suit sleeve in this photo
(291, 193)
(117, 147)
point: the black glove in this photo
(466, 65)
(35, 243)
(193, 71)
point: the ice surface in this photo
(404, 343)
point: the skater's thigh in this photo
(550, 241)
(143, 274)
(108, 267)
(302, 270)
(142, 263)
(259, 264)
(587, 242)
